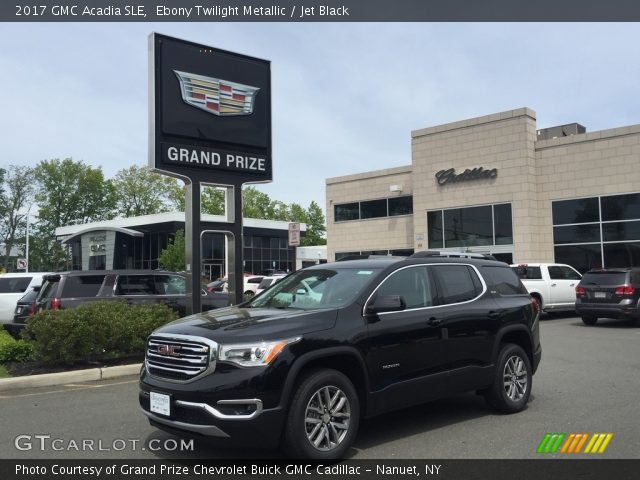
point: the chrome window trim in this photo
(484, 289)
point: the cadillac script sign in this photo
(449, 176)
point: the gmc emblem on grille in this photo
(170, 350)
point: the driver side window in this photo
(413, 284)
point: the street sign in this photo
(21, 264)
(294, 234)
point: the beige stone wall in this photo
(531, 174)
(591, 164)
(370, 234)
(504, 141)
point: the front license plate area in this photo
(160, 403)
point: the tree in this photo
(141, 192)
(172, 258)
(69, 192)
(19, 184)
(316, 229)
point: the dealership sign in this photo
(449, 176)
(210, 117)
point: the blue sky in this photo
(345, 96)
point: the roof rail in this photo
(368, 257)
(435, 253)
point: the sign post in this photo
(21, 264)
(294, 234)
(209, 124)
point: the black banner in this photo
(547, 469)
(323, 11)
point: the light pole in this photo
(27, 241)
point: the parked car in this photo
(219, 285)
(251, 284)
(609, 293)
(70, 289)
(378, 335)
(25, 307)
(267, 281)
(552, 285)
(12, 287)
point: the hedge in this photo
(12, 350)
(94, 331)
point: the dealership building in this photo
(497, 184)
(136, 243)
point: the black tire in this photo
(589, 320)
(299, 432)
(513, 367)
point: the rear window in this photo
(14, 284)
(604, 278)
(29, 297)
(459, 283)
(504, 281)
(49, 288)
(265, 283)
(525, 272)
(82, 286)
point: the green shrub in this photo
(94, 331)
(12, 350)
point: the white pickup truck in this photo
(552, 285)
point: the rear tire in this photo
(512, 380)
(589, 320)
(323, 418)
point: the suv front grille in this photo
(179, 357)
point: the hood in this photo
(238, 325)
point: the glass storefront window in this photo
(580, 257)
(582, 210)
(400, 206)
(577, 233)
(620, 207)
(373, 209)
(347, 211)
(618, 231)
(502, 224)
(434, 229)
(467, 227)
(625, 254)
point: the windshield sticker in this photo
(365, 272)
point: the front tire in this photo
(323, 418)
(512, 381)
(589, 320)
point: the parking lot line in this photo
(73, 387)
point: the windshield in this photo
(314, 289)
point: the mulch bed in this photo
(35, 368)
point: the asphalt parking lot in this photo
(588, 382)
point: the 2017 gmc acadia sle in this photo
(302, 363)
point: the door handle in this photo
(434, 322)
(493, 315)
(553, 284)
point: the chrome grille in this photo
(179, 357)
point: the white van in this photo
(12, 287)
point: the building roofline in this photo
(366, 175)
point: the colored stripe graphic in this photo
(572, 443)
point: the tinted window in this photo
(29, 297)
(604, 278)
(434, 229)
(82, 286)
(582, 210)
(14, 284)
(49, 288)
(135, 285)
(468, 227)
(412, 284)
(265, 283)
(613, 232)
(617, 255)
(504, 280)
(581, 257)
(526, 272)
(401, 206)
(373, 209)
(577, 234)
(456, 283)
(558, 272)
(621, 207)
(503, 224)
(347, 211)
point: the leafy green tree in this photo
(172, 258)
(69, 192)
(140, 191)
(316, 229)
(19, 185)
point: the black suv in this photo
(609, 293)
(70, 289)
(303, 362)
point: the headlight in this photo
(253, 354)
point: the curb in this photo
(60, 378)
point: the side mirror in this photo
(386, 303)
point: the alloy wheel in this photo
(327, 418)
(515, 378)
